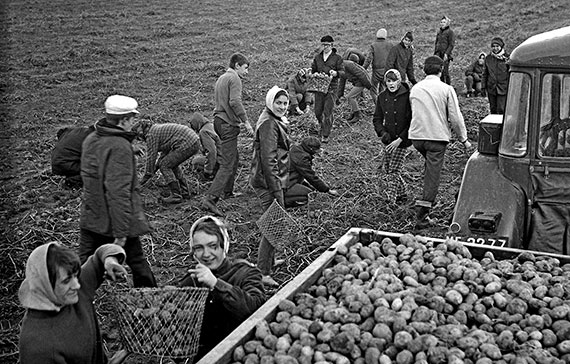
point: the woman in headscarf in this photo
(270, 166)
(235, 286)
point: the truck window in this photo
(554, 139)
(515, 120)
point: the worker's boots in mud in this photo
(175, 195)
(423, 221)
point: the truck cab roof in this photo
(550, 49)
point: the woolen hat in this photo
(353, 57)
(327, 39)
(433, 60)
(409, 35)
(311, 144)
(381, 33)
(499, 41)
(120, 105)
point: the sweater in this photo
(227, 97)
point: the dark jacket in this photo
(301, 169)
(295, 85)
(349, 51)
(475, 70)
(237, 294)
(393, 115)
(444, 43)
(66, 155)
(334, 62)
(496, 75)
(356, 74)
(378, 54)
(270, 162)
(112, 205)
(402, 59)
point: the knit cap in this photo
(353, 57)
(499, 41)
(311, 144)
(381, 33)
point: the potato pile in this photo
(413, 302)
(161, 321)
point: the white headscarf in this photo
(270, 98)
(221, 226)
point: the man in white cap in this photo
(112, 210)
(377, 55)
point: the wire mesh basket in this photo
(162, 322)
(318, 83)
(278, 226)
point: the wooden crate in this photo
(222, 353)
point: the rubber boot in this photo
(184, 189)
(175, 196)
(422, 219)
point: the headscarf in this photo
(270, 98)
(398, 77)
(219, 224)
(36, 291)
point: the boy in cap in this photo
(377, 56)
(358, 76)
(302, 177)
(229, 116)
(299, 98)
(330, 63)
(112, 210)
(236, 290)
(176, 143)
(434, 106)
(444, 43)
(60, 323)
(495, 78)
(66, 155)
(401, 58)
(210, 142)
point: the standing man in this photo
(377, 55)
(330, 63)
(176, 143)
(229, 115)
(401, 58)
(434, 105)
(496, 76)
(112, 210)
(444, 43)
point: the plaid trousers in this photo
(394, 185)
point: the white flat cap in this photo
(120, 105)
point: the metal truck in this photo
(515, 190)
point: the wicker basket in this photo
(278, 227)
(318, 83)
(162, 322)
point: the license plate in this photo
(499, 241)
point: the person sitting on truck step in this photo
(236, 290)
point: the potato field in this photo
(60, 60)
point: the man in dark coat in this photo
(496, 76)
(302, 177)
(66, 155)
(401, 58)
(357, 75)
(444, 43)
(112, 209)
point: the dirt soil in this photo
(60, 61)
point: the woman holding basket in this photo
(235, 286)
(270, 166)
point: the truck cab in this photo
(515, 190)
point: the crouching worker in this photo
(299, 98)
(66, 155)
(176, 144)
(235, 286)
(206, 163)
(360, 80)
(302, 177)
(60, 323)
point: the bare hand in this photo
(113, 269)
(390, 148)
(334, 192)
(333, 73)
(467, 145)
(120, 241)
(248, 129)
(203, 275)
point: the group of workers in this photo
(60, 283)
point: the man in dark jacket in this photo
(302, 177)
(236, 289)
(401, 58)
(444, 43)
(350, 51)
(112, 210)
(358, 76)
(330, 63)
(377, 56)
(496, 76)
(66, 155)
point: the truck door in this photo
(550, 171)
